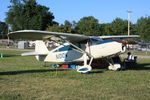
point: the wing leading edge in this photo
(39, 35)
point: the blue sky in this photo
(104, 10)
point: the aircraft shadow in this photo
(141, 67)
(30, 71)
(95, 72)
(135, 67)
(10, 55)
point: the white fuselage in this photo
(68, 53)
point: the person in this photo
(129, 61)
(130, 57)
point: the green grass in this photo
(24, 78)
(144, 53)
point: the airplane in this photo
(75, 47)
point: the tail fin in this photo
(40, 53)
(40, 47)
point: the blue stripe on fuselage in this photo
(105, 41)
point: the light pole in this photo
(129, 18)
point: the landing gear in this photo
(112, 65)
(85, 68)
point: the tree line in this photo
(28, 14)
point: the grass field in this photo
(144, 53)
(24, 78)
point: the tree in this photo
(119, 27)
(88, 26)
(3, 30)
(29, 15)
(62, 28)
(143, 28)
(133, 29)
(67, 23)
(16, 2)
(106, 29)
(57, 28)
(74, 24)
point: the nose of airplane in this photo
(123, 48)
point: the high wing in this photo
(39, 35)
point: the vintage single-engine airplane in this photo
(75, 47)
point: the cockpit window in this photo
(71, 47)
(65, 48)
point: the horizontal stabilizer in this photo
(33, 53)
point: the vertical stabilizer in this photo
(41, 51)
(40, 47)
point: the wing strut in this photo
(86, 67)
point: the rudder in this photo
(40, 47)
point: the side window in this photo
(65, 48)
(71, 47)
(68, 47)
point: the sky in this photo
(103, 10)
